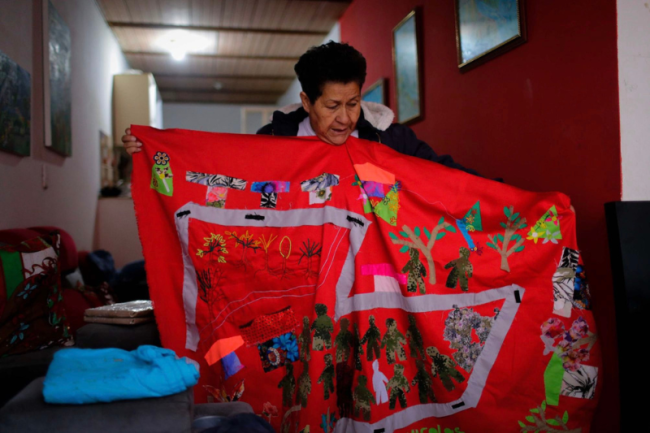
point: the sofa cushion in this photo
(32, 315)
(16, 372)
(27, 412)
(127, 337)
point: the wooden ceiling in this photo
(249, 50)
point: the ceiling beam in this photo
(216, 56)
(227, 77)
(220, 92)
(218, 29)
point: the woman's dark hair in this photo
(331, 62)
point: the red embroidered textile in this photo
(373, 290)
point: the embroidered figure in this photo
(304, 385)
(414, 339)
(357, 348)
(444, 368)
(305, 340)
(288, 385)
(327, 377)
(343, 341)
(424, 382)
(413, 241)
(344, 369)
(373, 338)
(416, 271)
(323, 327)
(379, 381)
(393, 341)
(461, 271)
(363, 398)
(398, 386)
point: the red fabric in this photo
(487, 334)
(536, 116)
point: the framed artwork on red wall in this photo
(407, 63)
(376, 92)
(486, 29)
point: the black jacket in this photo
(398, 137)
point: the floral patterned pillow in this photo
(32, 316)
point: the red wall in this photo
(543, 116)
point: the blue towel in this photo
(78, 376)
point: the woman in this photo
(331, 76)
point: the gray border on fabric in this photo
(272, 218)
(483, 365)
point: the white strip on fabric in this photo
(356, 223)
(512, 295)
(346, 304)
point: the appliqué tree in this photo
(414, 240)
(513, 223)
(540, 422)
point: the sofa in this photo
(18, 371)
(22, 408)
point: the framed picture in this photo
(57, 81)
(407, 62)
(376, 92)
(486, 29)
(15, 107)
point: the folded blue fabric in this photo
(79, 376)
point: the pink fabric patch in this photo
(216, 193)
(383, 269)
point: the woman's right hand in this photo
(131, 144)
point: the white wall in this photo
(70, 201)
(634, 96)
(203, 117)
(292, 95)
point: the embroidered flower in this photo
(19, 334)
(161, 158)
(29, 288)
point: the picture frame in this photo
(407, 66)
(376, 92)
(485, 29)
(57, 89)
(15, 107)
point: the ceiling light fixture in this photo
(181, 42)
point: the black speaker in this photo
(628, 229)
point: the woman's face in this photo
(335, 113)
